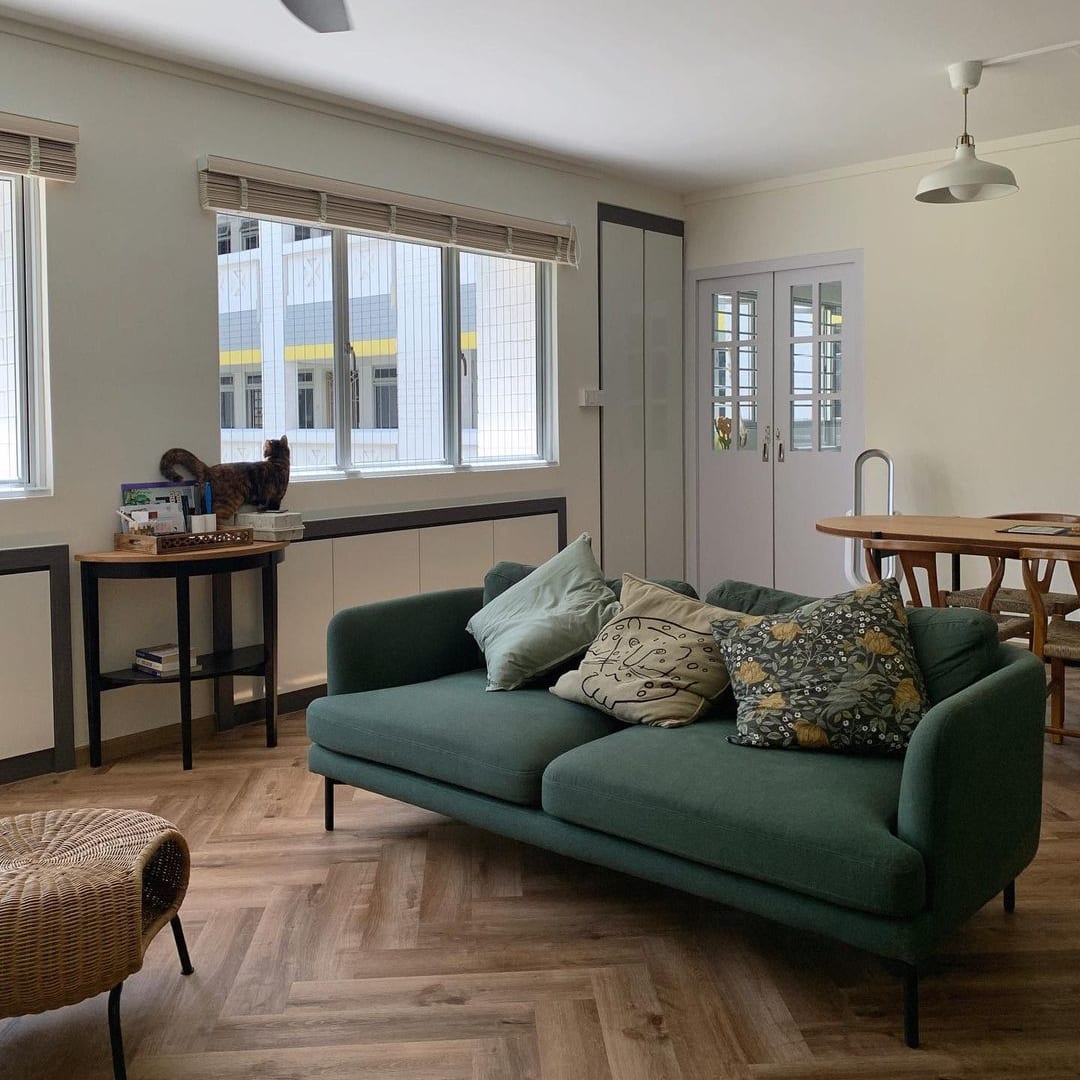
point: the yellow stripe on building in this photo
(324, 350)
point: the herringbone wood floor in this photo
(408, 947)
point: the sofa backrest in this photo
(504, 574)
(955, 647)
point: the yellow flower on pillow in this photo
(906, 696)
(877, 642)
(750, 672)
(786, 631)
(772, 701)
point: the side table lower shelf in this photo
(246, 661)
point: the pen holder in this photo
(203, 523)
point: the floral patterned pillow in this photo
(837, 674)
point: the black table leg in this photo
(269, 614)
(183, 640)
(221, 594)
(116, 1037)
(92, 655)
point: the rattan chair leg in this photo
(181, 946)
(1057, 699)
(116, 1038)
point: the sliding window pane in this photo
(802, 310)
(802, 420)
(722, 328)
(497, 359)
(832, 308)
(829, 425)
(275, 339)
(723, 424)
(395, 352)
(721, 373)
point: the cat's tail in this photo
(185, 458)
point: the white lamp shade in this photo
(966, 179)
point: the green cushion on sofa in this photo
(954, 647)
(754, 599)
(820, 824)
(450, 730)
(504, 574)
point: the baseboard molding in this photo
(26, 765)
(203, 729)
(251, 712)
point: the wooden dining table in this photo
(957, 535)
(978, 533)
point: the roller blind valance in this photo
(37, 147)
(240, 187)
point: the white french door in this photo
(779, 424)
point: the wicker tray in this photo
(233, 536)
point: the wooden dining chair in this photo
(922, 555)
(1056, 639)
(997, 600)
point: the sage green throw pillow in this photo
(545, 619)
(836, 674)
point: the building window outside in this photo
(384, 384)
(305, 399)
(228, 403)
(23, 434)
(279, 320)
(254, 402)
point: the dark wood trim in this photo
(639, 219)
(53, 559)
(26, 765)
(399, 520)
(253, 711)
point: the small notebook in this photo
(1038, 530)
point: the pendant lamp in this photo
(966, 178)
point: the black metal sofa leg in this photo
(911, 1006)
(1009, 897)
(328, 796)
(116, 1038)
(181, 946)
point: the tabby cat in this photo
(260, 484)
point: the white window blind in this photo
(239, 187)
(37, 147)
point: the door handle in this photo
(779, 447)
(765, 443)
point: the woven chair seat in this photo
(1062, 640)
(1015, 600)
(82, 893)
(1013, 626)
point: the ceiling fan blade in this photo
(326, 16)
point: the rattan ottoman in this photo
(82, 894)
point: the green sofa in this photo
(888, 855)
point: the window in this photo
(305, 399)
(22, 419)
(384, 384)
(438, 355)
(254, 402)
(228, 403)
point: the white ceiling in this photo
(688, 93)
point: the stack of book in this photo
(162, 659)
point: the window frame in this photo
(341, 372)
(32, 397)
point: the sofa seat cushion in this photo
(449, 729)
(818, 824)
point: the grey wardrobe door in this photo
(665, 547)
(622, 418)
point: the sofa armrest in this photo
(971, 790)
(402, 641)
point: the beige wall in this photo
(132, 303)
(972, 369)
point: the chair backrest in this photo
(1038, 566)
(922, 555)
